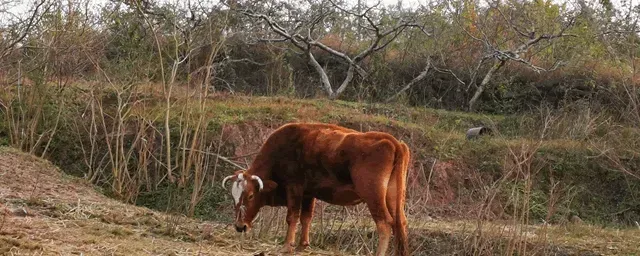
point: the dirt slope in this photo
(44, 212)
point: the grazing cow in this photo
(300, 163)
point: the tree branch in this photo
(380, 40)
(448, 71)
(278, 29)
(514, 27)
(326, 84)
(33, 19)
(338, 54)
(272, 40)
(416, 79)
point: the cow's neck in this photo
(269, 154)
(261, 167)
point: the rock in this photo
(575, 219)
(21, 212)
(476, 132)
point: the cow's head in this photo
(249, 194)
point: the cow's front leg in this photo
(294, 202)
(308, 204)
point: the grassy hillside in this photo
(568, 160)
(46, 212)
(572, 162)
(573, 165)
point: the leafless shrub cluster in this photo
(122, 146)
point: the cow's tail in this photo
(400, 171)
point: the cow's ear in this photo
(269, 186)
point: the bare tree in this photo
(19, 27)
(306, 33)
(428, 67)
(497, 52)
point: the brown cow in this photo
(300, 163)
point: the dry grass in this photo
(68, 216)
(566, 239)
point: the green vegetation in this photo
(570, 176)
(67, 215)
(154, 102)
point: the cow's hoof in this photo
(302, 247)
(288, 249)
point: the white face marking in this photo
(236, 191)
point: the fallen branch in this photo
(245, 155)
(218, 156)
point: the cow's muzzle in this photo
(241, 227)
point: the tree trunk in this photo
(326, 84)
(485, 81)
(345, 82)
(421, 76)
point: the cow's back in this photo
(319, 156)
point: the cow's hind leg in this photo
(371, 178)
(392, 196)
(375, 200)
(308, 204)
(384, 236)
(373, 191)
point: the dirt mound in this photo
(24, 176)
(45, 212)
(247, 138)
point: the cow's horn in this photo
(256, 178)
(225, 180)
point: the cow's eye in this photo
(250, 197)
